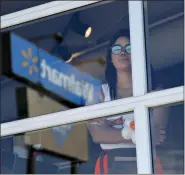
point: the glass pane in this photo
(103, 145)
(66, 61)
(164, 26)
(14, 6)
(167, 129)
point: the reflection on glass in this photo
(167, 129)
(72, 148)
(59, 68)
(164, 25)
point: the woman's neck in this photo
(124, 80)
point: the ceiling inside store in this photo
(96, 17)
(105, 19)
(158, 10)
(166, 43)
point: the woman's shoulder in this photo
(106, 92)
(105, 85)
(105, 88)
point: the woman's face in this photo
(122, 61)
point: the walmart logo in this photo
(30, 62)
(25, 61)
(61, 79)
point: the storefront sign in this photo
(38, 66)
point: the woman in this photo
(115, 137)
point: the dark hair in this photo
(110, 71)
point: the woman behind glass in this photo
(116, 135)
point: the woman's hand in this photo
(100, 122)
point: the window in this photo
(72, 66)
(57, 148)
(168, 149)
(164, 30)
(164, 26)
(16, 161)
(146, 101)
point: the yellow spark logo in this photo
(32, 66)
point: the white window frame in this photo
(139, 103)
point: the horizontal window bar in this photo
(34, 9)
(41, 11)
(94, 111)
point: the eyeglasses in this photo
(117, 49)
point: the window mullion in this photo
(139, 76)
(143, 145)
(139, 81)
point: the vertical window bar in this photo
(136, 20)
(139, 80)
(143, 144)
